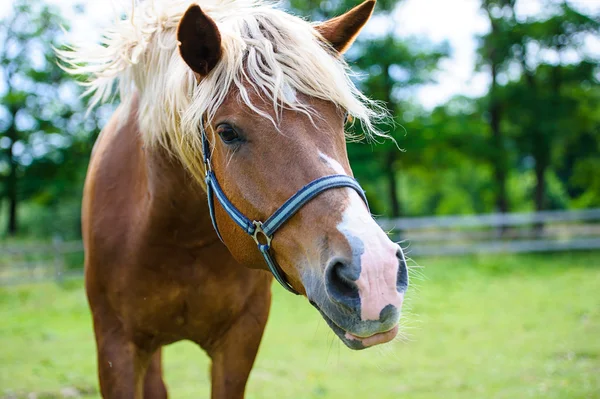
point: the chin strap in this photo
(262, 232)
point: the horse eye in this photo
(227, 133)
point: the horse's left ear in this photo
(199, 40)
(341, 31)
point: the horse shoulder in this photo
(113, 195)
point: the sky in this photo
(455, 21)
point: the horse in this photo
(223, 167)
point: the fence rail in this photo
(498, 233)
(445, 235)
(491, 219)
(34, 262)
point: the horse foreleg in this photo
(154, 386)
(234, 354)
(122, 365)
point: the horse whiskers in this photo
(416, 271)
(331, 338)
(403, 338)
(416, 274)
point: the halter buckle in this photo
(258, 229)
(207, 167)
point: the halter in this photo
(262, 232)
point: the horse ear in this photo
(341, 31)
(199, 40)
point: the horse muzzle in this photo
(361, 302)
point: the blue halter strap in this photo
(262, 232)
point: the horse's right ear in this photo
(199, 40)
(341, 31)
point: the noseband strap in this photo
(262, 232)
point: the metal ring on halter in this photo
(259, 230)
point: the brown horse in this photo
(266, 93)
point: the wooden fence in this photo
(497, 233)
(422, 236)
(34, 262)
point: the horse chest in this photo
(188, 298)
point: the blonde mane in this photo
(264, 49)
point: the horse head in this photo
(276, 122)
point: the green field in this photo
(524, 326)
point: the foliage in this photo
(547, 105)
(45, 137)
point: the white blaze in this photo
(379, 264)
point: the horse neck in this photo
(177, 204)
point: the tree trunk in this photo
(540, 187)
(539, 140)
(542, 155)
(540, 197)
(11, 183)
(499, 158)
(498, 141)
(392, 184)
(391, 156)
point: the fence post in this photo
(59, 259)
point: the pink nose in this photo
(382, 284)
(361, 286)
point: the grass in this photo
(525, 326)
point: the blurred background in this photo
(495, 193)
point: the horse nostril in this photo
(402, 281)
(341, 279)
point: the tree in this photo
(494, 53)
(41, 118)
(537, 106)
